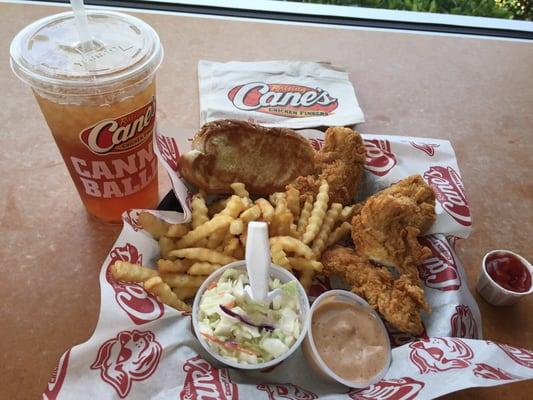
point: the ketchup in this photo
(509, 272)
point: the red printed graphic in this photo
(169, 150)
(520, 356)
(428, 148)
(278, 391)
(463, 323)
(132, 219)
(389, 389)
(450, 193)
(320, 285)
(398, 338)
(130, 356)
(440, 354)
(140, 306)
(203, 381)
(439, 271)
(295, 101)
(58, 377)
(317, 143)
(379, 157)
(488, 372)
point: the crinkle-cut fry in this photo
(239, 252)
(200, 254)
(216, 238)
(204, 230)
(281, 206)
(234, 207)
(306, 279)
(274, 197)
(203, 268)
(231, 246)
(153, 225)
(236, 227)
(294, 232)
(320, 242)
(317, 214)
(127, 272)
(279, 257)
(281, 224)
(178, 230)
(185, 293)
(291, 244)
(293, 201)
(267, 211)
(344, 229)
(199, 210)
(162, 291)
(346, 213)
(217, 207)
(166, 245)
(301, 264)
(243, 237)
(183, 280)
(240, 190)
(252, 214)
(200, 243)
(305, 214)
(164, 266)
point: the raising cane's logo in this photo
(295, 101)
(520, 356)
(489, 372)
(450, 192)
(389, 389)
(463, 323)
(428, 148)
(379, 157)
(205, 382)
(279, 391)
(58, 377)
(140, 306)
(439, 271)
(120, 134)
(169, 151)
(130, 356)
(440, 354)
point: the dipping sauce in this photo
(508, 272)
(350, 340)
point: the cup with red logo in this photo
(505, 277)
(98, 99)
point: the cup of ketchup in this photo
(504, 278)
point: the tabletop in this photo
(475, 92)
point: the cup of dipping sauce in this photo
(346, 340)
(504, 278)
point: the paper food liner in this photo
(144, 349)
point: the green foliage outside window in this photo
(513, 9)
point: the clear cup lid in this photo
(48, 54)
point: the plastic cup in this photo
(275, 271)
(99, 103)
(491, 291)
(313, 356)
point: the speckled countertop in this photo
(477, 93)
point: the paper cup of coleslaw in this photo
(244, 334)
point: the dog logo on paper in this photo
(205, 382)
(463, 323)
(440, 354)
(131, 217)
(294, 101)
(398, 338)
(428, 148)
(389, 389)
(130, 356)
(450, 193)
(169, 150)
(379, 157)
(488, 372)
(138, 304)
(58, 377)
(439, 271)
(317, 143)
(281, 391)
(522, 357)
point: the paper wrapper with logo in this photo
(290, 94)
(143, 349)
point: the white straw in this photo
(81, 25)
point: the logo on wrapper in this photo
(428, 148)
(440, 354)
(205, 382)
(450, 193)
(439, 271)
(140, 306)
(130, 356)
(295, 101)
(169, 151)
(463, 323)
(489, 372)
(278, 391)
(58, 377)
(379, 157)
(120, 134)
(522, 357)
(389, 389)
